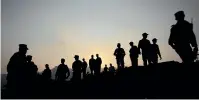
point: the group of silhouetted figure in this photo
(22, 70)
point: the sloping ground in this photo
(165, 80)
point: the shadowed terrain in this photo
(164, 80)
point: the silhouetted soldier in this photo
(92, 64)
(46, 73)
(155, 52)
(84, 67)
(98, 63)
(105, 69)
(31, 69)
(145, 45)
(77, 67)
(112, 70)
(134, 53)
(105, 73)
(181, 37)
(119, 53)
(16, 68)
(62, 70)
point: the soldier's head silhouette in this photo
(118, 45)
(105, 65)
(131, 43)
(83, 59)
(23, 48)
(154, 41)
(144, 35)
(97, 55)
(47, 66)
(62, 60)
(179, 15)
(29, 58)
(92, 56)
(110, 64)
(76, 57)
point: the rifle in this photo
(195, 50)
(192, 23)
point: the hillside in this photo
(165, 80)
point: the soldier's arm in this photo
(86, 64)
(193, 39)
(139, 47)
(137, 51)
(124, 52)
(73, 66)
(89, 63)
(159, 52)
(67, 72)
(115, 52)
(36, 68)
(11, 63)
(170, 41)
(56, 74)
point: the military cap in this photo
(154, 39)
(131, 42)
(179, 13)
(23, 46)
(145, 34)
(76, 56)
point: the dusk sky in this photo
(55, 29)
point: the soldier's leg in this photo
(91, 70)
(118, 63)
(84, 73)
(95, 70)
(156, 60)
(122, 62)
(99, 69)
(135, 62)
(144, 58)
(149, 58)
(131, 61)
(74, 76)
(189, 55)
(185, 54)
(180, 54)
(79, 76)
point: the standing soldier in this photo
(155, 52)
(31, 69)
(77, 67)
(92, 64)
(181, 37)
(119, 53)
(46, 73)
(84, 67)
(105, 69)
(134, 53)
(112, 70)
(145, 45)
(16, 67)
(62, 70)
(98, 62)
